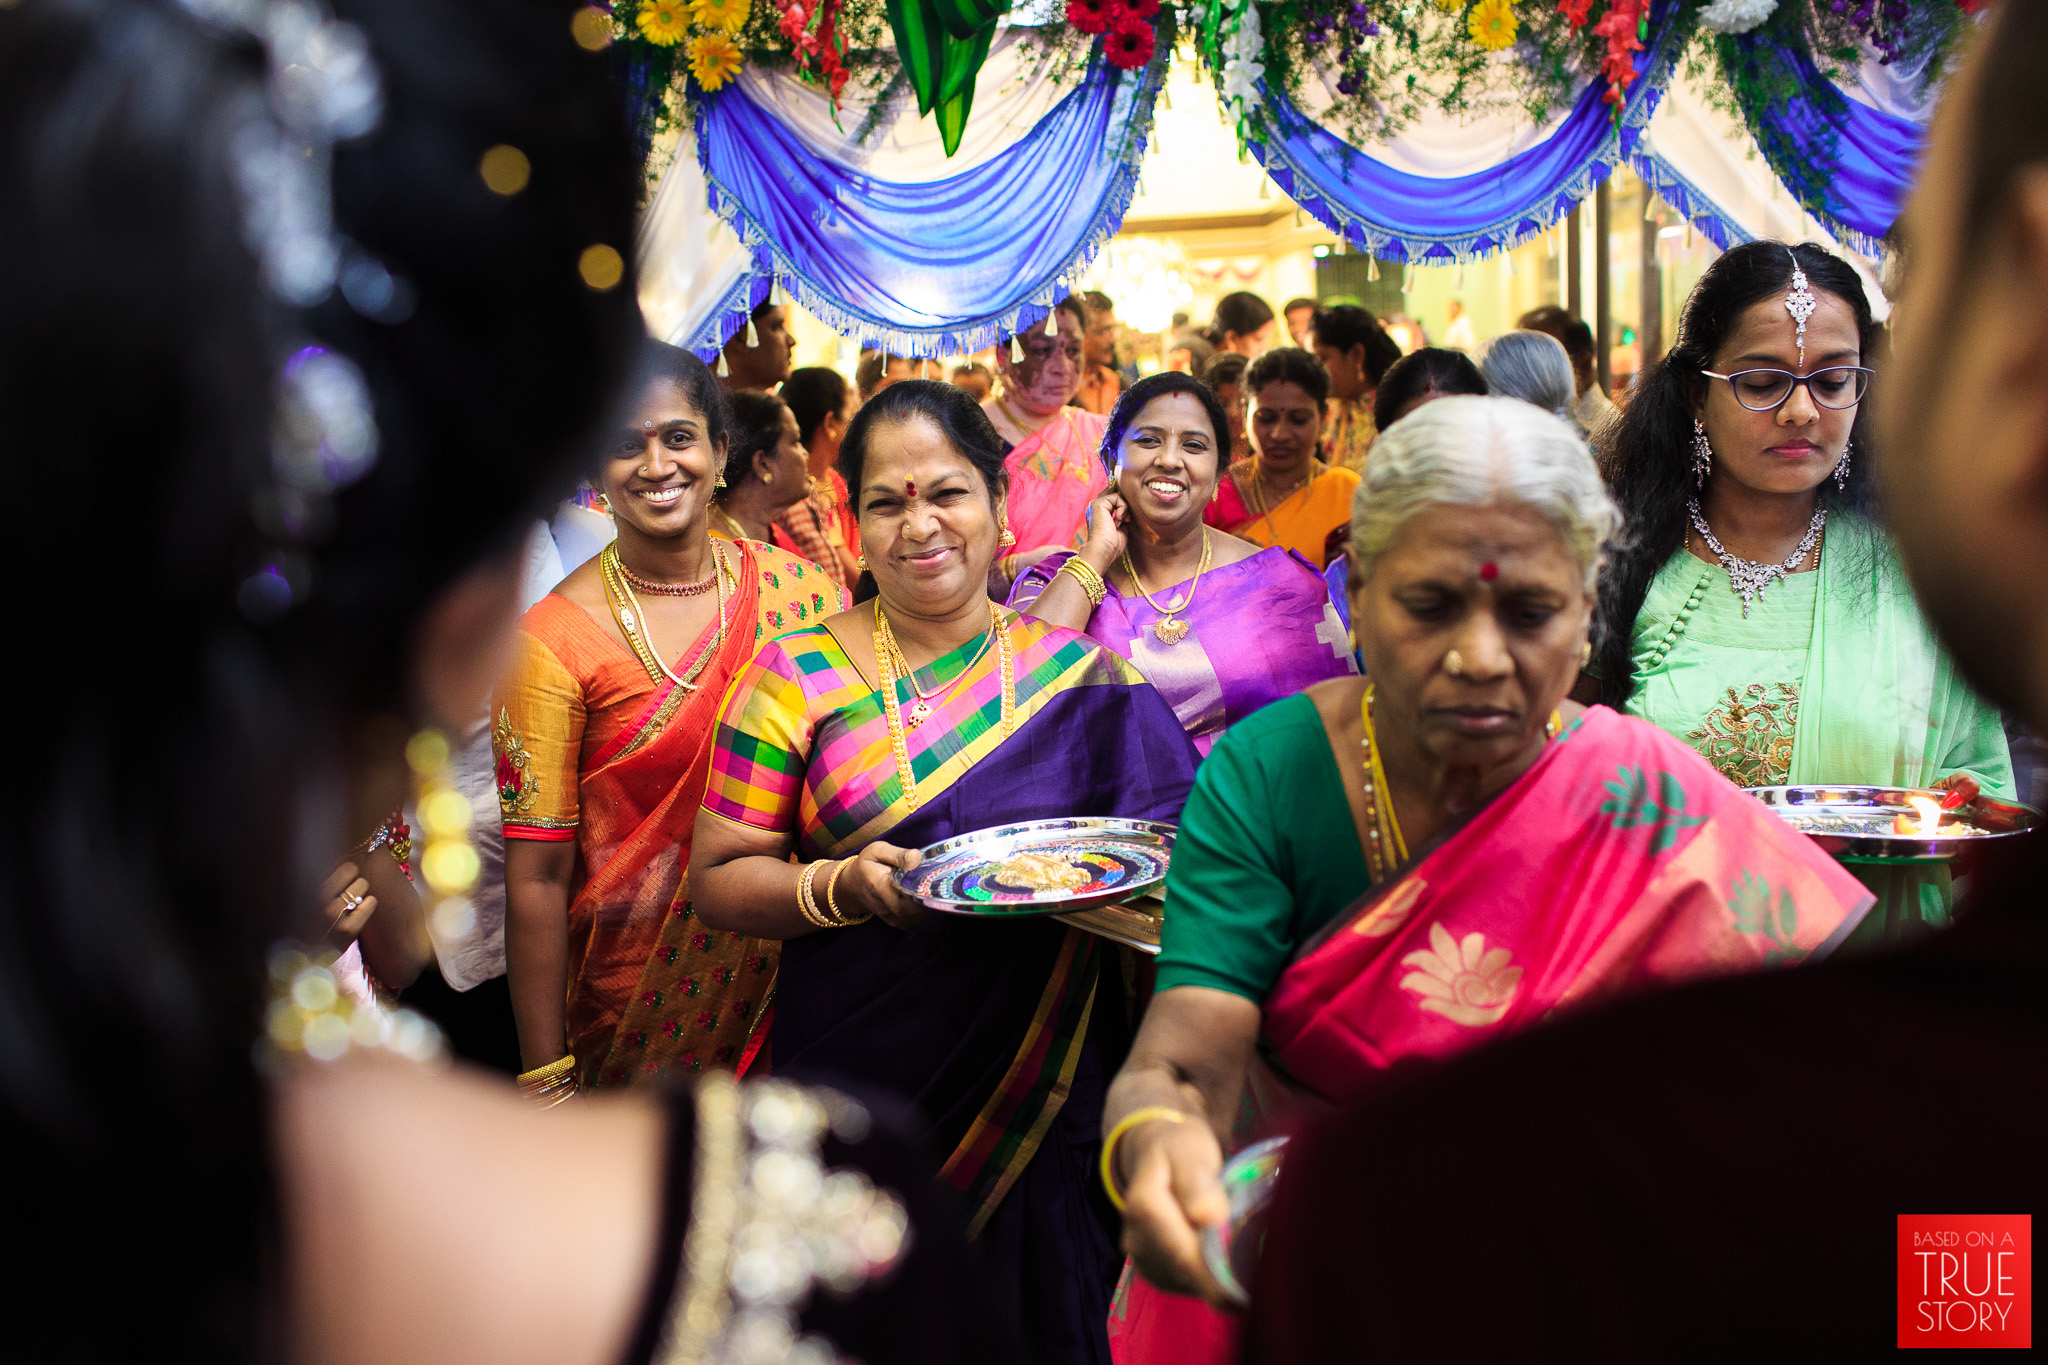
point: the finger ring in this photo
(349, 904)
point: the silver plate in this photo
(966, 875)
(1859, 824)
(1135, 924)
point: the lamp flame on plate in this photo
(1929, 823)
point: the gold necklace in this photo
(1383, 841)
(737, 529)
(921, 712)
(632, 618)
(1170, 630)
(886, 665)
(1010, 415)
(1385, 848)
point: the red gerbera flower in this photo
(1094, 16)
(1129, 45)
(1142, 9)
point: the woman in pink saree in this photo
(1380, 873)
(1054, 463)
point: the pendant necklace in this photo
(1746, 576)
(632, 618)
(886, 655)
(1169, 629)
(920, 711)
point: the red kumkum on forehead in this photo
(1488, 571)
(909, 489)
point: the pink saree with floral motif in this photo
(1620, 862)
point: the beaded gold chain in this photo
(1385, 848)
(633, 620)
(886, 655)
(920, 710)
(1383, 839)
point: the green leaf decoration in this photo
(969, 18)
(1788, 916)
(921, 46)
(1633, 807)
(962, 64)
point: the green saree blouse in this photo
(1833, 677)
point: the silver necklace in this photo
(1746, 576)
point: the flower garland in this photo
(1379, 64)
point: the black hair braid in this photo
(1650, 450)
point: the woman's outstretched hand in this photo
(1173, 1190)
(866, 886)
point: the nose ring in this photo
(1454, 664)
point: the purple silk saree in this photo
(1260, 629)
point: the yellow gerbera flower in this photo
(664, 22)
(730, 16)
(714, 59)
(1492, 24)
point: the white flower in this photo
(1464, 982)
(1240, 81)
(1736, 16)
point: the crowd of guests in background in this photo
(1447, 669)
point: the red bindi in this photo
(909, 489)
(1488, 571)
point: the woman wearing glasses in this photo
(1759, 611)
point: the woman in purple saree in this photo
(1220, 626)
(1560, 855)
(925, 713)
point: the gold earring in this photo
(767, 478)
(720, 482)
(1007, 538)
(861, 561)
(1454, 664)
(1585, 652)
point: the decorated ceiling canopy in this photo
(930, 175)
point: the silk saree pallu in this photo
(592, 748)
(1621, 861)
(1054, 474)
(1258, 630)
(1002, 1035)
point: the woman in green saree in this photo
(1760, 612)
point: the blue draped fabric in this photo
(1851, 165)
(1396, 215)
(935, 268)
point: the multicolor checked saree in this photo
(1003, 1035)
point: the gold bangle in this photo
(1084, 573)
(832, 897)
(1125, 1125)
(806, 901)
(548, 1086)
(541, 1075)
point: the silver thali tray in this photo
(1882, 825)
(1042, 867)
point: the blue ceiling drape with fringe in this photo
(1397, 215)
(931, 268)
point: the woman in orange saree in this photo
(603, 740)
(1284, 494)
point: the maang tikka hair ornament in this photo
(1800, 303)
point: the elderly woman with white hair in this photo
(1384, 871)
(1533, 367)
